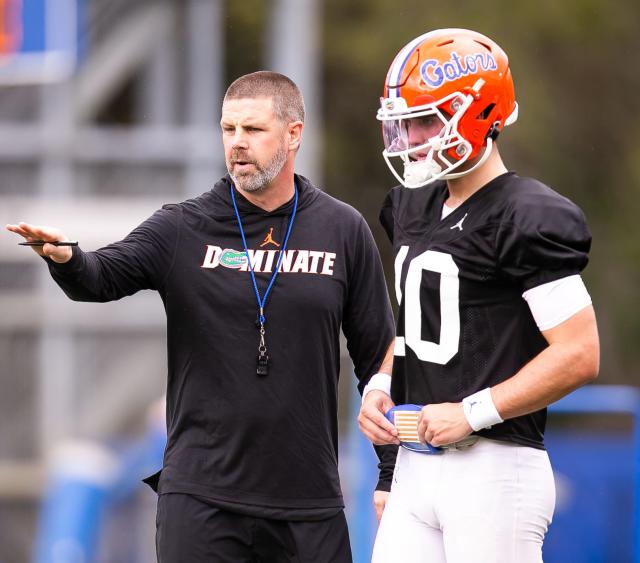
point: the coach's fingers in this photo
(375, 434)
(31, 232)
(18, 230)
(380, 502)
(372, 421)
(378, 418)
(28, 235)
(375, 405)
(376, 427)
(24, 229)
(41, 232)
(59, 254)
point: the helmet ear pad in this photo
(487, 114)
(482, 119)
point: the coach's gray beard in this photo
(263, 175)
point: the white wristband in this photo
(380, 382)
(480, 410)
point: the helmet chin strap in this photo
(421, 172)
(483, 159)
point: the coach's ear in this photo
(294, 133)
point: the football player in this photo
(495, 322)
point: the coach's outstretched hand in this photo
(59, 254)
(372, 421)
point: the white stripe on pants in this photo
(490, 503)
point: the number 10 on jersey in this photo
(443, 264)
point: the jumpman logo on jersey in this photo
(458, 225)
(269, 239)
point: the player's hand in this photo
(59, 254)
(443, 424)
(371, 419)
(379, 502)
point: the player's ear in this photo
(294, 134)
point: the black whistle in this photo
(262, 368)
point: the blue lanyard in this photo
(262, 301)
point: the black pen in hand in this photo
(54, 243)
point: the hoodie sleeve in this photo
(368, 319)
(386, 464)
(368, 326)
(140, 261)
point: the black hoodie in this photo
(264, 446)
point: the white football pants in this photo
(490, 503)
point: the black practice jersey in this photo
(463, 324)
(265, 446)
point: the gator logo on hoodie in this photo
(293, 261)
(233, 259)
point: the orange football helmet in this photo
(447, 95)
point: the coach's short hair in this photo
(288, 103)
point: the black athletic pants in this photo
(190, 530)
